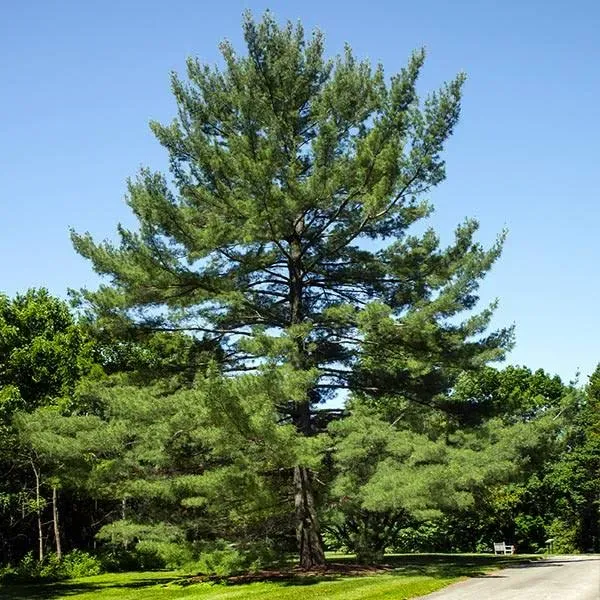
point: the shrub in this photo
(118, 558)
(428, 536)
(8, 574)
(162, 555)
(74, 564)
(564, 535)
(80, 564)
(223, 559)
(222, 562)
(128, 545)
(51, 569)
(28, 569)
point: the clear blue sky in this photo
(81, 79)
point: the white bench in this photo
(502, 548)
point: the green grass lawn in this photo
(413, 575)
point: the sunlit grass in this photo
(412, 575)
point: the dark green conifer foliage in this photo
(288, 172)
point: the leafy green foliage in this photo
(43, 352)
(210, 460)
(574, 480)
(515, 393)
(72, 565)
(128, 545)
(80, 564)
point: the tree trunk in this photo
(38, 509)
(308, 532)
(123, 516)
(310, 543)
(55, 522)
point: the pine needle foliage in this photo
(283, 233)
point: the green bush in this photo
(74, 564)
(7, 573)
(530, 532)
(116, 559)
(162, 555)
(80, 564)
(565, 537)
(28, 569)
(51, 569)
(223, 559)
(128, 546)
(222, 562)
(428, 536)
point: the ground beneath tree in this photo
(330, 570)
(402, 576)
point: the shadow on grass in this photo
(50, 591)
(436, 566)
(442, 566)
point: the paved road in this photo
(557, 578)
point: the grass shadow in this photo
(435, 566)
(50, 591)
(444, 566)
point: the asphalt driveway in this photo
(556, 578)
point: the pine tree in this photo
(288, 172)
(390, 475)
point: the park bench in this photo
(502, 548)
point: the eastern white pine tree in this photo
(285, 168)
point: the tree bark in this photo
(308, 533)
(39, 512)
(310, 543)
(56, 523)
(123, 517)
